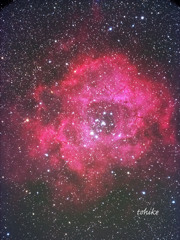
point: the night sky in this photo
(90, 133)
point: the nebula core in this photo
(102, 116)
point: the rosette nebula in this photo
(101, 116)
(89, 120)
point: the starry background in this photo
(145, 31)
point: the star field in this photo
(89, 120)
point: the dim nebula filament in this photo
(102, 116)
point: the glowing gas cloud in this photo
(103, 115)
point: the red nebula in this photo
(101, 116)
